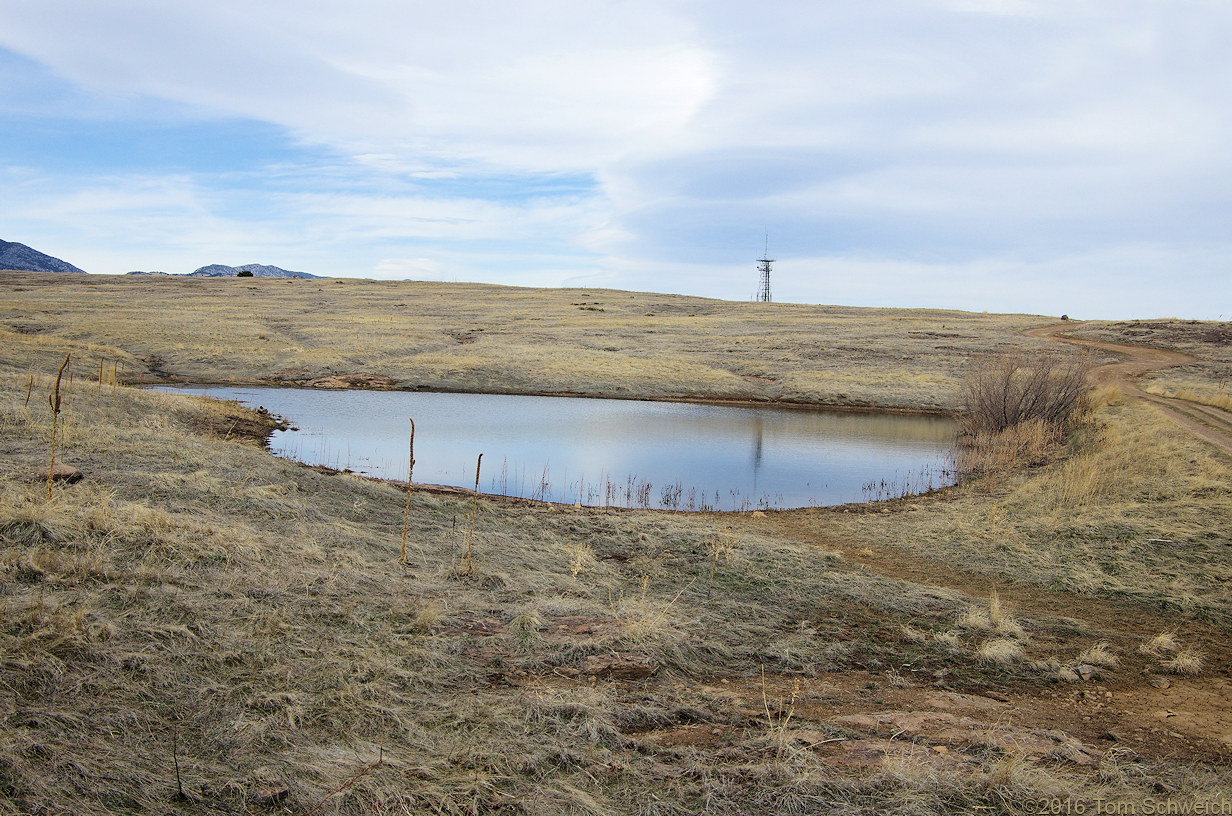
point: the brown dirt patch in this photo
(366, 382)
(1075, 723)
(1120, 701)
(235, 423)
(1138, 360)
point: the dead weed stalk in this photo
(54, 401)
(719, 545)
(470, 530)
(406, 517)
(778, 731)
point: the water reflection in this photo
(613, 452)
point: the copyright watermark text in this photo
(1149, 806)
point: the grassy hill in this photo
(473, 337)
(198, 626)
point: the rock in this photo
(623, 667)
(270, 795)
(59, 473)
(956, 731)
(1086, 671)
(255, 270)
(1161, 682)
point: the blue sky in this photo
(999, 155)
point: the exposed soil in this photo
(1128, 707)
(1204, 421)
(252, 427)
(1076, 724)
(367, 382)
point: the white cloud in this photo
(551, 85)
(647, 144)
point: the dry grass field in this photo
(199, 627)
(1205, 378)
(471, 337)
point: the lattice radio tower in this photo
(763, 266)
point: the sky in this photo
(1039, 156)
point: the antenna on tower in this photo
(763, 266)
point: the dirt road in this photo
(1133, 709)
(1204, 421)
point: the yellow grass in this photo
(197, 601)
(1023, 445)
(1000, 650)
(1205, 395)
(1163, 643)
(472, 337)
(1099, 655)
(1186, 661)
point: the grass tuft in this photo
(1161, 644)
(951, 641)
(974, 617)
(1099, 655)
(1000, 650)
(1186, 661)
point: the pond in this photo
(607, 452)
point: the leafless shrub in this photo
(1018, 408)
(1012, 390)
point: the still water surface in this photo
(603, 452)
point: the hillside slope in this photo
(198, 626)
(21, 257)
(257, 270)
(500, 339)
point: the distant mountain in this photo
(257, 270)
(20, 256)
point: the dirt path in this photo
(1130, 708)
(1211, 424)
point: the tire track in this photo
(1213, 425)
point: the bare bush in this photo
(1009, 391)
